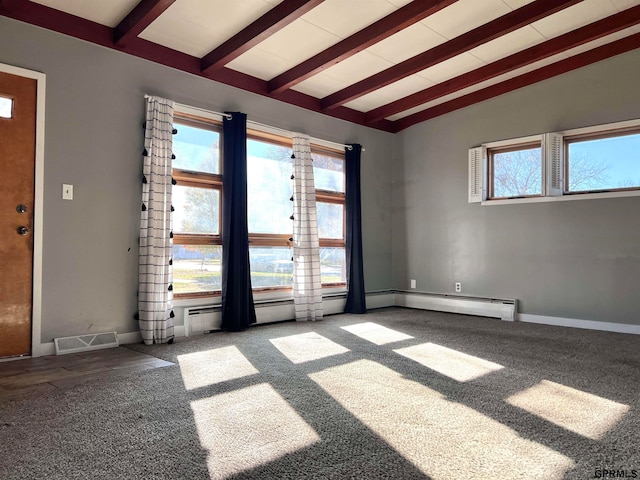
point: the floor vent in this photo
(84, 343)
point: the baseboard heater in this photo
(505, 309)
(202, 319)
(84, 343)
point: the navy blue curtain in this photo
(238, 311)
(353, 235)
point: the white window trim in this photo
(602, 128)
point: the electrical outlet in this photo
(413, 283)
(458, 287)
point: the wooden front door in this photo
(17, 170)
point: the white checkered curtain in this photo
(307, 284)
(155, 287)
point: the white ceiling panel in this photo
(390, 93)
(196, 27)
(261, 64)
(624, 4)
(294, 43)
(319, 85)
(576, 16)
(105, 13)
(465, 15)
(407, 43)
(516, 3)
(508, 44)
(344, 18)
(344, 74)
(358, 67)
(451, 68)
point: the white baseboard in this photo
(380, 300)
(503, 309)
(577, 323)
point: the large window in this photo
(197, 202)
(197, 196)
(270, 190)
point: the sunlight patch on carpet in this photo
(306, 347)
(246, 428)
(452, 363)
(201, 369)
(444, 439)
(376, 334)
(580, 412)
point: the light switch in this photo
(67, 192)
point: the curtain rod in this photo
(262, 126)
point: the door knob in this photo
(21, 208)
(23, 231)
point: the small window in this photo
(603, 162)
(6, 107)
(516, 171)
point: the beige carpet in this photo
(396, 393)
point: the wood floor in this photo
(33, 376)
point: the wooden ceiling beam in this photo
(73, 26)
(489, 31)
(374, 33)
(274, 20)
(142, 15)
(598, 54)
(575, 38)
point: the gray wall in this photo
(574, 259)
(94, 139)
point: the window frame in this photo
(585, 137)
(478, 186)
(322, 196)
(515, 147)
(191, 178)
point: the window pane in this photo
(517, 173)
(604, 163)
(333, 265)
(330, 219)
(196, 149)
(269, 187)
(328, 172)
(196, 268)
(270, 267)
(197, 210)
(6, 107)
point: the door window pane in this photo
(197, 210)
(196, 268)
(6, 107)
(271, 267)
(196, 149)
(328, 172)
(269, 188)
(330, 220)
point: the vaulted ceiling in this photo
(387, 64)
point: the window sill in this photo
(258, 297)
(562, 198)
